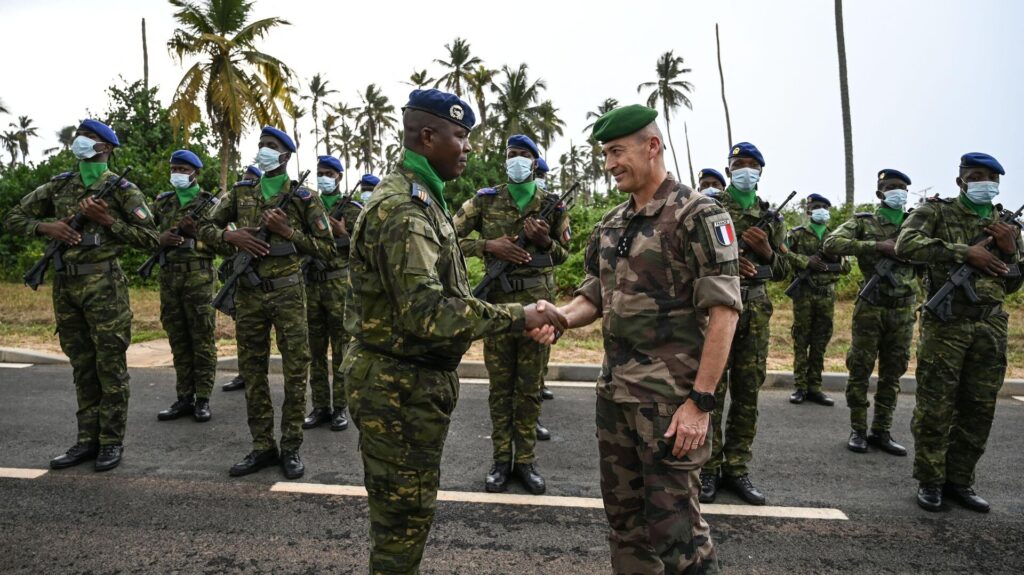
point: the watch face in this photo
(705, 401)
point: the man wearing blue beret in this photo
(413, 316)
(762, 259)
(710, 182)
(814, 299)
(884, 318)
(366, 185)
(274, 298)
(515, 363)
(90, 292)
(961, 359)
(186, 289)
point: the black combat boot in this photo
(883, 440)
(339, 421)
(235, 384)
(858, 442)
(527, 473)
(202, 411)
(745, 489)
(292, 465)
(184, 406)
(109, 457)
(79, 452)
(966, 497)
(543, 433)
(708, 486)
(254, 461)
(497, 478)
(316, 417)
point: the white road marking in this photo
(20, 473)
(15, 365)
(1019, 397)
(557, 501)
(577, 384)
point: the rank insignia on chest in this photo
(141, 213)
(724, 233)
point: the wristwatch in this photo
(704, 401)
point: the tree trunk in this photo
(721, 77)
(145, 57)
(225, 159)
(844, 93)
(689, 159)
(668, 130)
(295, 131)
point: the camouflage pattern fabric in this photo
(962, 363)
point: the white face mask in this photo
(365, 196)
(711, 192)
(745, 179)
(982, 192)
(326, 184)
(541, 184)
(820, 216)
(519, 169)
(83, 148)
(181, 181)
(895, 199)
(268, 159)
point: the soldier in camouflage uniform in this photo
(326, 285)
(186, 288)
(278, 302)
(763, 260)
(515, 363)
(90, 292)
(662, 273)
(883, 321)
(814, 299)
(413, 317)
(961, 363)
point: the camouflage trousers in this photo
(190, 322)
(812, 330)
(960, 368)
(515, 366)
(94, 323)
(283, 310)
(650, 496)
(884, 333)
(402, 413)
(744, 376)
(325, 313)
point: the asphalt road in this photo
(171, 507)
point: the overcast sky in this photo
(929, 79)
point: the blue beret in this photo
(746, 150)
(254, 171)
(980, 160)
(542, 166)
(186, 157)
(102, 130)
(330, 162)
(891, 174)
(525, 143)
(280, 135)
(819, 198)
(369, 179)
(443, 105)
(710, 173)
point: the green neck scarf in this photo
(744, 199)
(419, 165)
(91, 171)
(818, 229)
(330, 199)
(894, 216)
(983, 210)
(522, 193)
(272, 185)
(186, 195)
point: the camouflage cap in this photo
(622, 121)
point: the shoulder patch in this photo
(304, 194)
(164, 195)
(420, 194)
(864, 215)
(723, 238)
(487, 191)
(243, 184)
(62, 176)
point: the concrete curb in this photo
(15, 355)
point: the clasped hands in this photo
(544, 322)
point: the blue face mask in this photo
(982, 192)
(268, 159)
(326, 184)
(82, 147)
(181, 181)
(711, 192)
(519, 169)
(365, 196)
(820, 216)
(745, 179)
(895, 199)
(541, 184)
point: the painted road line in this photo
(1019, 397)
(578, 502)
(21, 473)
(15, 365)
(577, 384)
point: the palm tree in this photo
(329, 126)
(343, 131)
(516, 107)
(575, 165)
(296, 113)
(459, 64)
(3, 108)
(844, 95)
(232, 78)
(480, 80)
(376, 116)
(721, 78)
(548, 124)
(603, 108)
(671, 91)
(25, 131)
(318, 90)
(420, 79)
(65, 136)
(10, 142)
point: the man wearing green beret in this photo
(662, 271)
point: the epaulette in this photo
(864, 215)
(487, 191)
(420, 194)
(243, 184)
(936, 198)
(304, 194)
(62, 176)
(164, 195)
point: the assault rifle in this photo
(341, 242)
(769, 217)
(804, 277)
(206, 199)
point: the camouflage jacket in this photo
(802, 243)
(681, 260)
(350, 211)
(410, 290)
(167, 212)
(857, 237)
(492, 213)
(133, 222)
(743, 219)
(244, 206)
(939, 232)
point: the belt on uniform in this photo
(426, 361)
(90, 241)
(540, 261)
(976, 312)
(519, 284)
(894, 302)
(341, 242)
(282, 249)
(190, 266)
(753, 293)
(87, 269)
(317, 276)
(274, 284)
(808, 289)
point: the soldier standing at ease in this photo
(186, 288)
(515, 363)
(251, 176)
(814, 301)
(278, 302)
(413, 317)
(961, 363)
(883, 321)
(90, 293)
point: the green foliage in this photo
(583, 219)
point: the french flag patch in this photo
(724, 233)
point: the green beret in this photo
(622, 121)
